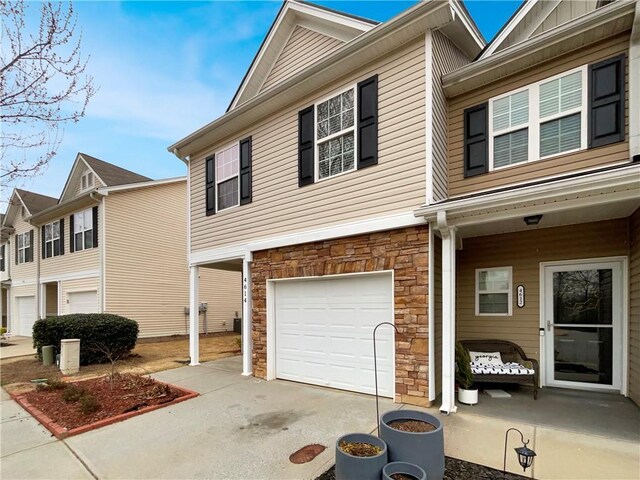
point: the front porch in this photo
(576, 434)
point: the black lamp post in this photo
(525, 454)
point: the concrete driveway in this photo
(239, 428)
(18, 347)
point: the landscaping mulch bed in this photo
(127, 393)
(414, 426)
(360, 449)
(455, 470)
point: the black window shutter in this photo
(368, 122)
(476, 140)
(210, 174)
(2, 260)
(30, 250)
(42, 242)
(245, 171)
(62, 236)
(606, 101)
(95, 226)
(72, 245)
(15, 239)
(306, 161)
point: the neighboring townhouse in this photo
(406, 172)
(308, 185)
(114, 242)
(5, 272)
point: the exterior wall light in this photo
(532, 219)
(525, 454)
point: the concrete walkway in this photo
(239, 428)
(20, 347)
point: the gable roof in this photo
(111, 174)
(35, 202)
(339, 25)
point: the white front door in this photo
(583, 307)
(26, 315)
(83, 302)
(323, 332)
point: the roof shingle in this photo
(111, 174)
(35, 202)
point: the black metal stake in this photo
(525, 460)
(375, 369)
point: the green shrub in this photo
(464, 375)
(72, 394)
(112, 333)
(89, 404)
(3, 330)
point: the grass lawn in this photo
(150, 355)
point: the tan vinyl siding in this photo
(523, 251)
(25, 271)
(395, 185)
(303, 48)
(446, 58)
(67, 287)
(96, 183)
(437, 278)
(71, 262)
(147, 274)
(634, 306)
(566, 11)
(562, 164)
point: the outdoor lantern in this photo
(525, 454)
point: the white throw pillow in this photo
(486, 358)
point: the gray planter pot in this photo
(349, 467)
(404, 468)
(423, 449)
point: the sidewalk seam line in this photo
(84, 464)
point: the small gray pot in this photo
(404, 468)
(424, 449)
(349, 467)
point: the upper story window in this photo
(24, 247)
(493, 291)
(227, 171)
(83, 230)
(52, 240)
(544, 119)
(335, 134)
(86, 181)
(2, 259)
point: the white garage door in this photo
(26, 314)
(83, 302)
(324, 332)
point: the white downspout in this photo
(194, 315)
(247, 366)
(448, 313)
(634, 86)
(431, 316)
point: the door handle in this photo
(549, 325)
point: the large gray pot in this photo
(349, 467)
(404, 468)
(423, 449)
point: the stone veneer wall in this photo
(405, 251)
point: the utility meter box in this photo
(70, 356)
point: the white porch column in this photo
(448, 314)
(247, 364)
(194, 314)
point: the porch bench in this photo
(510, 352)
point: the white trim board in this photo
(70, 276)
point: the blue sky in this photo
(165, 69)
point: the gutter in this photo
(331, 63)
(134, 186)
(89, 198)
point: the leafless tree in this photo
(43, 84)
(112, 353)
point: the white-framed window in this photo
(52, 239)
(83, 230)
(227, 177)
(86, 181)
(24, 247)
(493, 291)
(542, 120)
(2, 258)
(335, 134)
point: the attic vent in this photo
(86, 182)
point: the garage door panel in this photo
(83, 302)
(324, 332)
(26, 315)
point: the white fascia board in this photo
(588, 183)
(468, 23)
(235, 252)
(502, 36)
(334, 17)
(15, 192)
(72, 172)
(133, 186)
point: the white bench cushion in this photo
(511, 368)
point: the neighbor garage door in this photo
(26, 315)
(83, 302)
(324, 328)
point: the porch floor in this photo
(593, 413)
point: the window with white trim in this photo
(24, 247)
(227, 182)
(335, 135)
(83, 230)
(2, 262)
(52, 239)
(493, 291)
(86, 181)
(542, 120)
